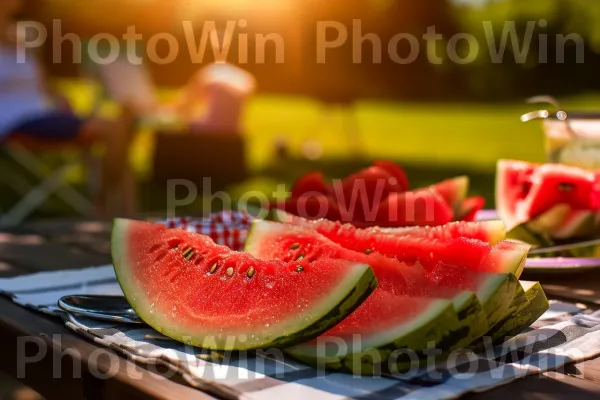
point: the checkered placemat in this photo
(565, 334)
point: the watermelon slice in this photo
(526, 191)
(194, 291)
(269, 240)
(461, 263)
(524, 313)
(403, 304)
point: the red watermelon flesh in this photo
(405, 277)
(487, 231)
(396, 171)
(190, 289)
(455, 243)
(525, 191)
(400, 275)
(359, 196)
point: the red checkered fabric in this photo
(227, 228)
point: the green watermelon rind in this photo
(432, 326)
(496, 296)
(350, 293)
(472, 322)
(523, 315)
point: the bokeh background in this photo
(436, 120)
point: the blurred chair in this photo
(37, 182)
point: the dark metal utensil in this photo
(107, 308)
(564, 247)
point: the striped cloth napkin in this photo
(565, 334)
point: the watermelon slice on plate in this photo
(194, 291)
(525, 191)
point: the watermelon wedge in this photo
(525, 191)
(491, 272)
(269, 240)
(192, 290)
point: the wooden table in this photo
(48, 245)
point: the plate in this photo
(549, 265)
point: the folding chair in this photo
(38, 181)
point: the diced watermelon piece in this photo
(396, 171)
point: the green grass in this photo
(472, 135)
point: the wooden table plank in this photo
(22, 329)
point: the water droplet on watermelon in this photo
(174, 308)
(267, 325)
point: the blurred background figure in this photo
(222, 90)
(30, 109)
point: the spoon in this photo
(107, 308)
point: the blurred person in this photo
(223, 89)
(27, 109)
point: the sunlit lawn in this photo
(472, 135)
